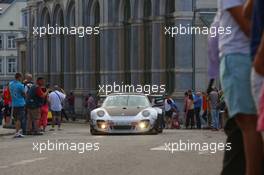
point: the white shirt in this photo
(167, 106)
(56, 99)
(237, 41)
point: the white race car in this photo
(125, 113)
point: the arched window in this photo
(70, 66)
(96, 13)
(170, 6)
(127, 35)
(45, 46)
(58, 61)
(147, 8)
(170, 50)
(147, 39)
(96, 20)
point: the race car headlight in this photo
(146, 113)
(142, 125)
(103, 125)
(100, 113)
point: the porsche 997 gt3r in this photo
(125, 113)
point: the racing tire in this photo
(93, 131)
(160, 130)
(154, 131)
(159, 124)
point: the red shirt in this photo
(39, 92)
(7, 96)
(204, 103)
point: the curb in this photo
(7, 134)
(75, 122)
(12, 132)
(7, 130)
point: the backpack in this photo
(33, 101)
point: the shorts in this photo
(34, 114)
(7, 110)
(56, 114)
(19, 113)
(235, 73)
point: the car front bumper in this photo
(123, 126)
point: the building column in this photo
(158, 61)
(137, 52)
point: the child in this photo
(174, 121)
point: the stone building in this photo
(12, 23)
(131, 48)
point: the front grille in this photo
(122, 127)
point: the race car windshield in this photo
(126, 100)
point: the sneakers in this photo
(19, 135)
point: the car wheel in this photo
(159, 124)
(93, 131)
(154, 130)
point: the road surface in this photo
(110, 155)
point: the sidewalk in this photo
(78, 121)
(6, 132)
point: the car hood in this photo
(124, 111)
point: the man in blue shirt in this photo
(17, 91)
(197, 109)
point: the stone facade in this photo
(131, 48)
(12, 27)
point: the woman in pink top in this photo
(43, 121)
(261, 113)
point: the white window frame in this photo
(24, 17)
(2, 65)
(8, 64)
(13, 42)
(3, 42)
